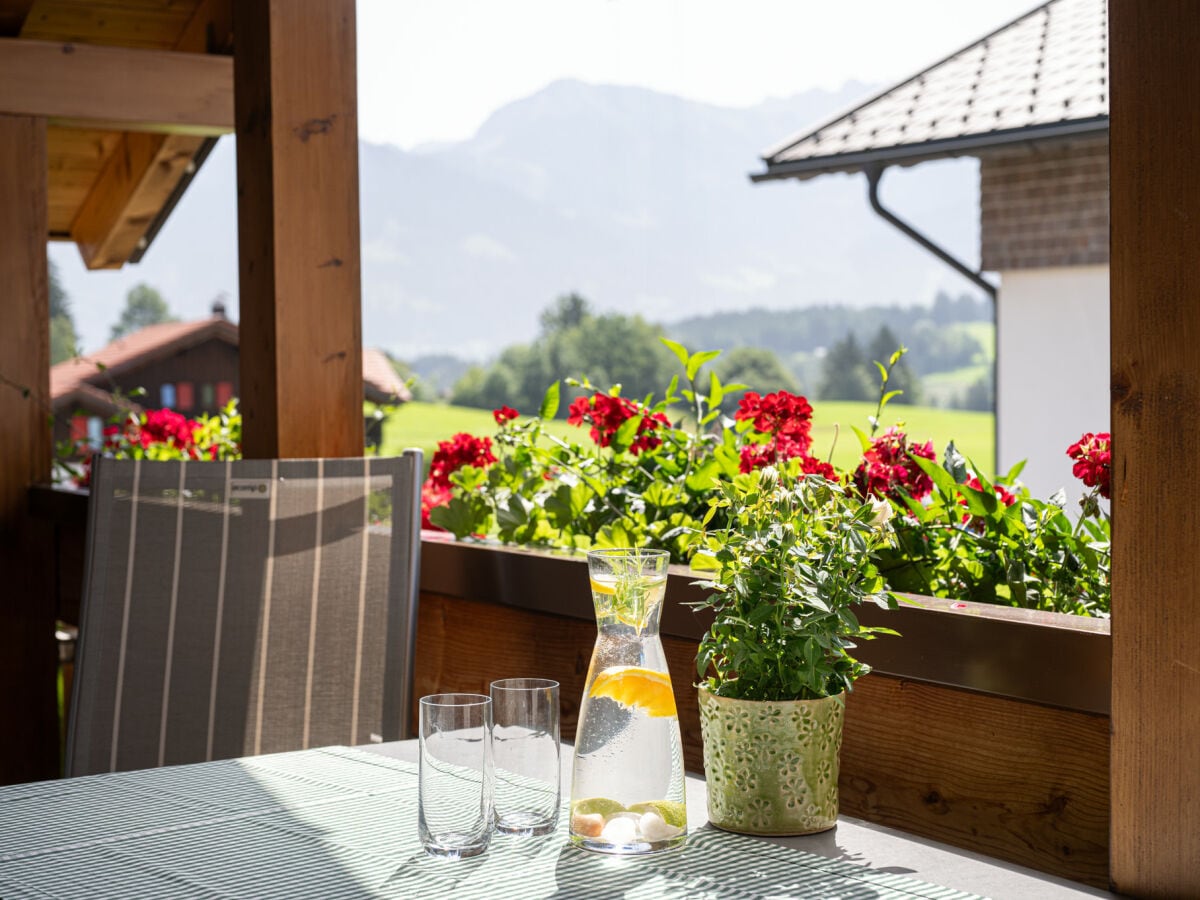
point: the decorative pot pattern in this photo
(771, 767)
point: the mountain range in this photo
(638, 200)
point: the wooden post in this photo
(28, 710)
(295, 109)
(1155, 184)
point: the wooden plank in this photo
(1017, 780)
(140, 174)
(27, 651)
(1155, 197)
(298, 230)
(117, 87)
(152, 24)
(12, 16)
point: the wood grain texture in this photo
(151, 24)
(1011, 779)
(117, 87)
(27, 651)
(1018, 781)
(298, 228)
(141, 173)
(1155, 196)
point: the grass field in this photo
(424, 424)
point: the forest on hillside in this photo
(825, 352)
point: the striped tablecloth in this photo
(339, 822)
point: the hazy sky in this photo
(433, 70)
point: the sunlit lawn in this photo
(424, 424)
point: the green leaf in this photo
(883, 372)
(716, 393)
(456, 517)
(862, 438)
(944, 481)
(626, 434)
(549, 407)
(678, 349)
(955, 463)
(696, 360)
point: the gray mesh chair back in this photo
(239, 608)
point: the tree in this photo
(760, 370)
(843, 376)
(569, 311)
(901, 378)
(606, 350)
(144, 306)
(64, 340)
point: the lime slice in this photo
(673, 813)
(596, 806)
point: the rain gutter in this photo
(874, 173)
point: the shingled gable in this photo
(1044, 75)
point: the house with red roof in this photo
(190, 367)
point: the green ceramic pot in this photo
(771, 767)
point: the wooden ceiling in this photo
(124, 129)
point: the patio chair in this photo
(239, 608)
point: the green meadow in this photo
(424, 424)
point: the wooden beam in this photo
(1155, 197)
(27, 648)
(298, 231)
(140, 174)
(93, 86)
(12, 16)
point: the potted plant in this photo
(791, 562)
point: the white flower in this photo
(881, 511)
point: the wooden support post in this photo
(295, 109)
(28, 711)
(1155, 184)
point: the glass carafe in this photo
(627, 793)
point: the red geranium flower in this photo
(461, 450)
(1007, 497)
(778, 414)
(607, 414)
(504, 414)
(1093, 461)
(432, 496)
(888, 468)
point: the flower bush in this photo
(646, 470)
(158, 434)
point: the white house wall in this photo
(1052, 370)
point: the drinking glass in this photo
(455, 805)
(526, 754)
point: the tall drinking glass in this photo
(455, 806)
(525, 753)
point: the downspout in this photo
(874, 173)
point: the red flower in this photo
(607, 414)
(461, 450)
(431, 496)
(1093, 461)
(888, 468)
(779, 414)
(504, 414)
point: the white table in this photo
(874, 846)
